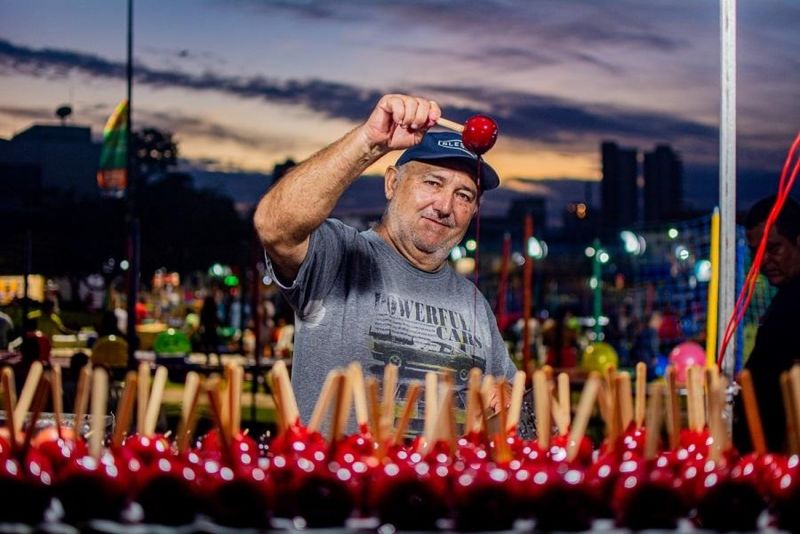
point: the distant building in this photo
(663, 185)
(63, 157)
(618, 188)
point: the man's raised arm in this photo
(302, 200)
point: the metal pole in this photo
(527, 276)
(134, 239)
(597, 290)
(727, 173)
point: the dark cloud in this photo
(554, 120)
(520, 115)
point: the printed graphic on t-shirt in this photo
(419, 337)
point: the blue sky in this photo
(244, 84)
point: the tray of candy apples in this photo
(650, 471)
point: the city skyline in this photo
(244, 85)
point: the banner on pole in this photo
(112, 173)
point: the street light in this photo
(537, 249)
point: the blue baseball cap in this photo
(448, 145)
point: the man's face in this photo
(781, 258)
(430, 206)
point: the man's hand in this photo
(494, 396)
(399, 121)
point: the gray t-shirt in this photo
(356, 298)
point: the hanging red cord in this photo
(748, 288)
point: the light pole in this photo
(599, 258)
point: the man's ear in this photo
(390, 182)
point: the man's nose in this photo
(443, 204)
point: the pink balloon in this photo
(684, 356)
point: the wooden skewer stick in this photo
(154, 401)
(287, 394)
(323, 401)
(794, 381)
(8, 405)
(412, 394)
(624, 400)
(473, 418)
(189, 421)
(58, 397)
(431, 403)
(235, 399)
(347, 404)
(280, 411)
(336, 418)
(27, 393)
(640, 405)
(791, 417)
(541, 397)
(374, 410)
(82, 397)
(582, 414)
(143, 391)
(715, 424)
(751, 412)
(450, 125)
(37, 405)
(125, 409)
(691, 398)
(212, 387)
(515, 409)
(225, 395)
(389, 390)
(560, 419)
(191, 385)
(673, 409)
(564, 400)
(654, 418)
(359, 395)
(99, 405)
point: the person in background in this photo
(6, 327)
(776, 348)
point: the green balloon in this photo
(599, 357)
(172, 342)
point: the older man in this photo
(386, 295)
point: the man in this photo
(386, 295)
(776, 348)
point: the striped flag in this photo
(112, 173)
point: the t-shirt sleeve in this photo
(327, 249)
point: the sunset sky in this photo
(244, 84)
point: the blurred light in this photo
(216, 270)
(231, 280)
(580, 210)
(266, 280)
(593, 282)
(518, 259)
(471, 245)
(603, 256)
(589, 252)
(465, 266)
(537, 249)
(457, 253)
(672, 233)
(682, 253)
(632, 243)
(124, 264)
(702, 270)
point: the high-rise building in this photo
(618, 189)
(663, 184)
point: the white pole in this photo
(727, 174)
